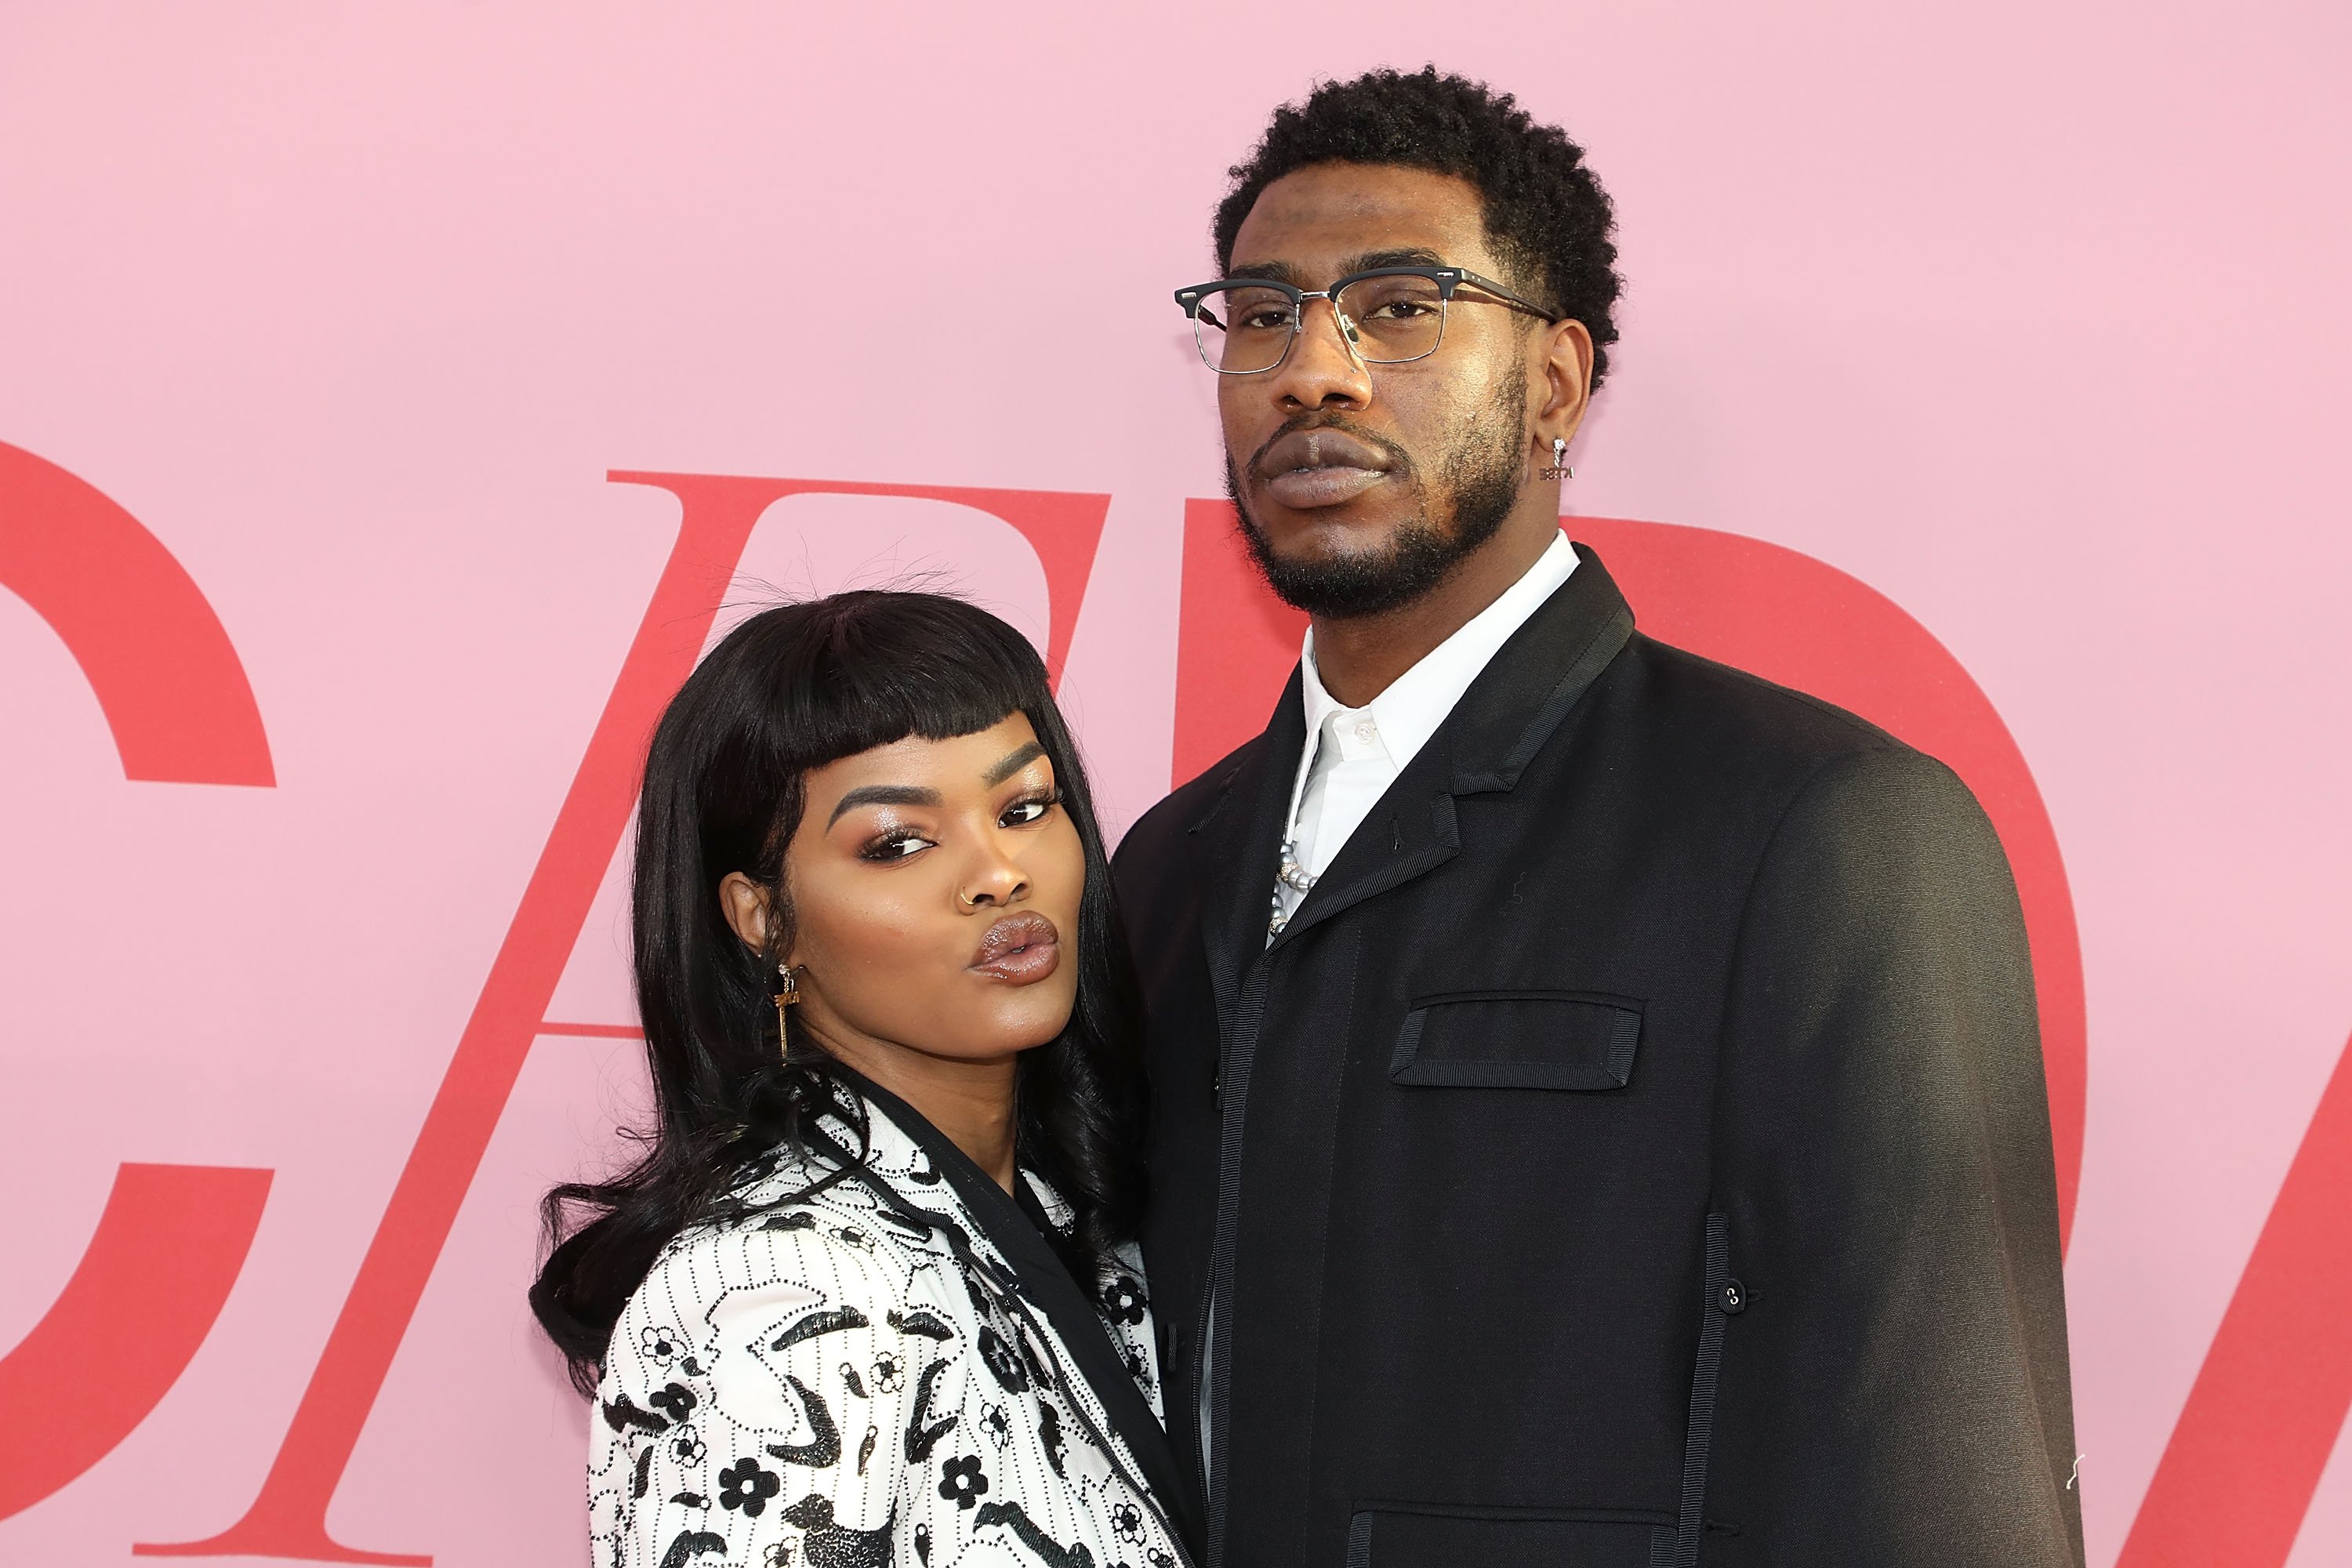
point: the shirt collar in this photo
(1408, 712)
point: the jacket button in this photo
(1733, 1298)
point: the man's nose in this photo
(1324, 366)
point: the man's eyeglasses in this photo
(1388, 315)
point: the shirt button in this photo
(1367, 731)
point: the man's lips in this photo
(1309, 469)
(1021, 948)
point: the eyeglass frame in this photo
(1447, 278)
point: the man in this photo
(1597, 1107)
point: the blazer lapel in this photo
(1501, 722)
(1046, 1281)
(1239, 841)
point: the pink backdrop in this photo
(330, 627)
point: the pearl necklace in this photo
(1291, 875)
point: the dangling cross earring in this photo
(788, 991)
(1559, 469)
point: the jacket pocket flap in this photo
(1578, 1040)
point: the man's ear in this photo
(745, 904)
(1567, 381)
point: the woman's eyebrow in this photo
(1013, 762)
(883, 795)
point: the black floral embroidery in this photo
(962, 1482)
(621, 1416)
(1122, 1299)
(673, 1400)
(1029, 1429)
(1032, 1356)
(690, 1544)
(832, 1545)
(1003, 1361)
(824, 1447)
(817, 1323)
(1049, 1433)
(923, 1434)
(747, 1484)
(920, 1321)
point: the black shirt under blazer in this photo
(1635, 1150)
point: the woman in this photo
(870, 1294)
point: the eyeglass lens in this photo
(1243, 327)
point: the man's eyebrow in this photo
(1270, 272)
(1013, 762)
(883, 795)
(1284, 272)
(1410, 256)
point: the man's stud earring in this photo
(1559, 469)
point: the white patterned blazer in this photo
(895, 1370)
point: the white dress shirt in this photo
(1353, 754)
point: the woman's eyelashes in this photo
(896, 843)
(1029, 809)
(905, 843)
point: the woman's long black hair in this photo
(790, 689)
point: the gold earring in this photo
(788, 991)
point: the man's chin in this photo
(1342, 584)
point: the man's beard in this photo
(1480, 481)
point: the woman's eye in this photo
(1025, 813)
(898, 847)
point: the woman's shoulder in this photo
(824, 1241)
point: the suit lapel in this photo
(1484, 745)
(1239, 841)
(1046, 1281)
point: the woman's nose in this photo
(997, 880)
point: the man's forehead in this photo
(1320, 219)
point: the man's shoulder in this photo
(1743, 708)
(1158, 836)
(1791, 744)
(1749, 721)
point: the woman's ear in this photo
(745, 904)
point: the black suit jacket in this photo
(1635, 1150)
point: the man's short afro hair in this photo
(1547, 218)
